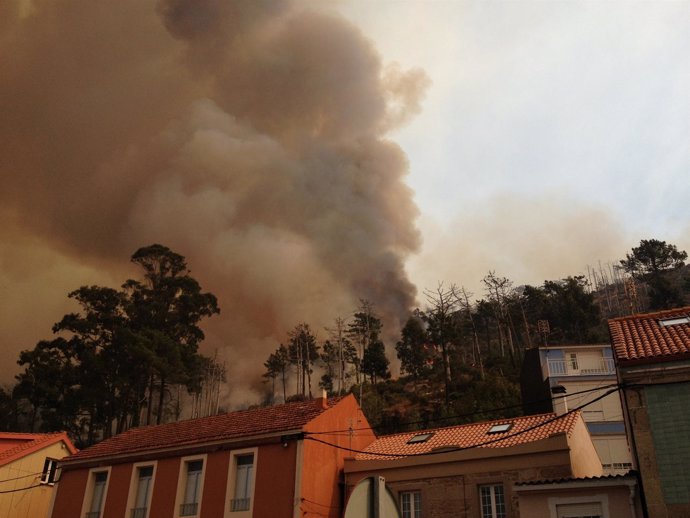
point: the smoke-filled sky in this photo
(304, 155)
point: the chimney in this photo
(323, 400)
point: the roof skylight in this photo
(420, 437)
(500, 428)
(674, 321)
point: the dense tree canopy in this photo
(120, 353)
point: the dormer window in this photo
(422, 437)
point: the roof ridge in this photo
(651, 315)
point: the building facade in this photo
(652, 352)
(470, 471)
(559, 378)
(254, 463)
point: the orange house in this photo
(251, 463)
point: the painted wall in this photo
(24, 473)
(321, 492)
(615, 501)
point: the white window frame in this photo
(182, 484)
(90, 486)
(232, 478)
(415, 497)
(49, 473)
(134, 486)
(494, 510)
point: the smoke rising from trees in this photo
(249, 135)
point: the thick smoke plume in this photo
(248, 136)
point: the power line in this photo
(463, 448)
(23, 476)
(20, 489)
(469, 414)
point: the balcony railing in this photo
(567, 368)
(240, 504)
(188, 509)
(138, 512)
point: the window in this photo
(144, 482)
(49, 471)
(500, 428)
(244, 481)
(99, 482)
(411, 504)
(573, 361)
(674, 321)
(420, 437)
(192, 488)
(492, 500)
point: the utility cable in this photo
(23, 476)
(463, 448)
(469, 414)
(20, 489)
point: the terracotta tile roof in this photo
(234, 425)
(641, 337)
(630, 474)
(523, 430)
(22, 444)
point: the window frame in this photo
(494, 511)
(133, 493)
(50, 471)
(182, 484)
(415, 503)
(87, 502)
(232, 480)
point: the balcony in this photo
(189, 509)
(574, 368)
(240, 504)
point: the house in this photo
(28, 463)
(252, 463)
(472, 471)
(561, 377)
(652, 353)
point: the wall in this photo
(615, 501)
(323, 464)
(29, 503)
(449, 482)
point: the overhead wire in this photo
(473, 446)
(468, 414)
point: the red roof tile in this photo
(523, 430)
(234, 425)
(23, 444)
(641, 337)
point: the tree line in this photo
(114, 363)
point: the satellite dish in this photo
(371, 498)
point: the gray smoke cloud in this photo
(249, 136)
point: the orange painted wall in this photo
(274, 486)
(323, 464)
(70, 494)
(164, 488)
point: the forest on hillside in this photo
(130, 355)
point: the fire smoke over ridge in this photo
(248, 136)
